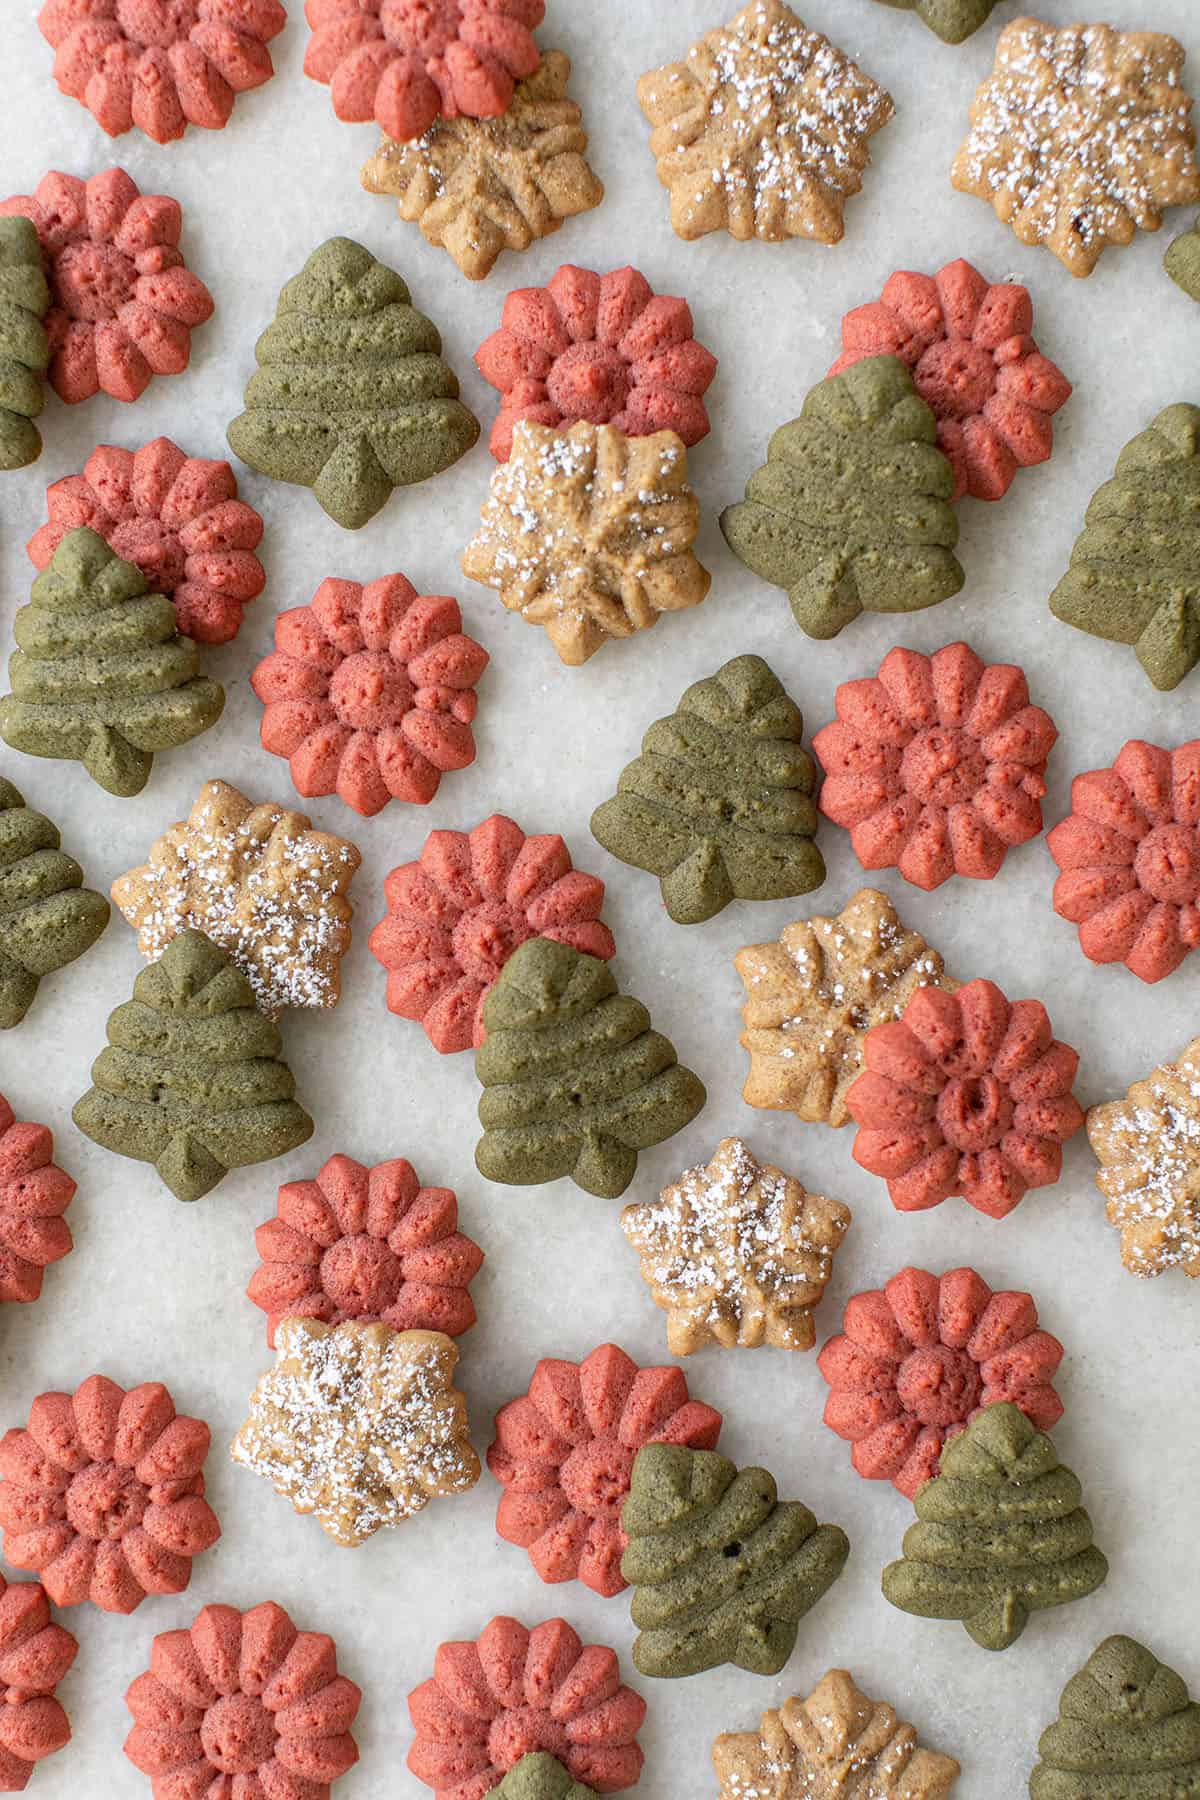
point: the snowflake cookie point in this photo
(34, 1195)
(1148, 1149)
(737, 1253)
(35, 1655)
(359, 1424)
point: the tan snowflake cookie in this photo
(1148, 1147)
(836, 1745)
(737, 1253)
(763, 130)
(814, 993)
(1079, 135)
(480, 186)
(359, 1424)
(589, 533)
(259, 882)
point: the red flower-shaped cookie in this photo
(406, 63)
(34, 1195)
(361, 1243)
(513, 1692)
(1130, 859)
(242, 1707)
(564, 1452)
(122, 304)
(178, 518)
(964, 1094)
(974, 362)
(34, 1657)
(920, 1357)
(456, 915)
(161, 65)
(370, 692)
(605, 348)
(103, 1495)
(936, 765)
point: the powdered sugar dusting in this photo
(1149, 1151)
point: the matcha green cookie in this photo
(541, 1777)
(100, 675)
(851, 512)
(1126, 1730)
(952, 20)
(47, 916)
(351, 397)
(192, 1079)
(724, 1570)
(575, 1080)
(719, 805)
(1182, 261)
(24, 351)
(1000, 1533)
(1135, 569)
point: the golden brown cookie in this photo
(1079, 135)
(480, 186)
(589, 533)
(763, 129)
(1148, 1147)
(359, 1424)
(836, 1745)
(258, 881)
(812, 996)
(737, 1253)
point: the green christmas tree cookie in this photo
(575, 1080)
(1135, 569)
(723, 1569)
(1000, 1533)
(47, 916)
(1126, 1730)
(100, 675)
(1182, 261)
(851, 512)
(541, 1777)
(24, 351)
(351, 397)
(952, 20)
(719, 805)
(192, 1079)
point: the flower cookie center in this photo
(424, 26)
(156, 550)
(942, 767)
(105, 1501)
(1167, 864)
(589, 381)
(595, 1478)
(157, 23)
(486, 937)
(369, 691)
(94, 281)
(361, 1275)
(238, 1734)
(521, 1731)
(974, 1112)
(958, 378)
(938, 1385)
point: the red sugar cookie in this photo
(122, 303)
(243, 1704)
(974, 362)
(103, 1495)
(1130, 859)
(178, 518)
(370, 692)
(361, 1243)
(605, 348)
(406, 63)
(512, 1692)
(34, 1657)
(965, 1093)
(564, 1452)
(917, 1359)
(160, 67)
(456, 915)
(34, 1195)
(936, 766)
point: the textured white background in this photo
(155, 1289)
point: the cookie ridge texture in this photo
(540, 1776)
(1148, 1148)
(1126, 1724)
(34, 1195)
(47, 917)
(35, 1654)
(24, 346)
(1182, 261)
(953, 21)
